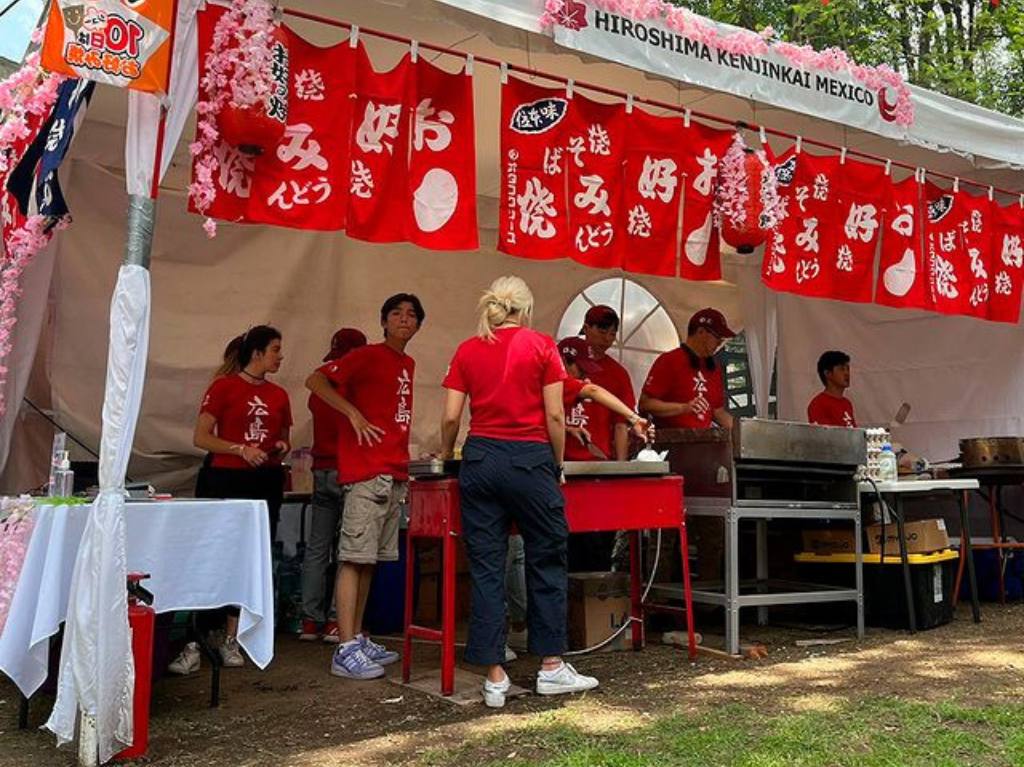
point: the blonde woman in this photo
(511, 465)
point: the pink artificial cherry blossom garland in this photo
(15, 534)
(28, 92)
(238, 72)
(733, 195)
(745, 42)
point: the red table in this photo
(591, 505)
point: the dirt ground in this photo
(294, 713)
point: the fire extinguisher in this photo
(142, 620)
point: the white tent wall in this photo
(204, 291)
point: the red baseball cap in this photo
(577, 350)
(601, 315)
(711, 320)
(344, 341)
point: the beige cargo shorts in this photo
(370, 522)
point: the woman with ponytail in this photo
(511, 469)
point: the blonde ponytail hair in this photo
(507, 298)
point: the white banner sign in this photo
(769, 77)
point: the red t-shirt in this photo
(247, 414)
(326, 421)
(377, 380)
(674, 379)
(828, 410)
(596, 418)
(505, 380)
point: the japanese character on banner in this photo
(976, 232)
(594, 153)
(948, 265)
(860, 192)
(647, 241)
(810, 253)
(701, 251)
(1007, 263)
(379, 153)
(902, 273)
(533, 219)
(442, 165)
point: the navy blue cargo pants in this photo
(504, 482)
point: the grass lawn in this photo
(875, 732)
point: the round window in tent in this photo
(646, 330)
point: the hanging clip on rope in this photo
(686, 118)
(629, 103)
(503, 71)
(568, 88)
(956, 185)
(799, 144)
(763, 135)
(991, 193)
(842, 156)
(469, 65)
(353, 36)
(414, 51)
(888, 167)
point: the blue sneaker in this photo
(377, 653)
(349, 661)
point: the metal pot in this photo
(985, 452)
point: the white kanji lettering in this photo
(1004, 285)
(552, 160)
(979, 295)
(709, 167)
(903, 224)
(536, 208)
(56, 134)
(361, 184)
(639, 224)
(861, 222)
(593, 196)
(577, 417)
(700, 384)
(977, 264)
(599, 140)
(802, 195)
(658, 179)
(821, 187)
(256, 431)
(947, 241)
(945, 277)
(301, 148)
(322, 186)
(844, 259)
(434, 132)
(277, 197)
(977, 223)
(808, 238)
(576, 149)
(403, 414)
(234, 170)
(778, 250)
(380, 122)
(1013, 251)
(807, 269)
(309, 85)
(594, 236)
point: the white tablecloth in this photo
(199, 554)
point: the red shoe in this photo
(331, 635)
(310, 631)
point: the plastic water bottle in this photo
(63, 478)
(887, 466)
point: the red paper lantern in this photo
(749, 232)
(257, 128)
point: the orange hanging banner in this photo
(125, 43)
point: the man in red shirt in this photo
(327, 498)
(372, 388)
(685, 388)
(608, 431)
(831, 407)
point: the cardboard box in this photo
(829, 541)
(921, 537)
(598, 604)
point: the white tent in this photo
(959, 374)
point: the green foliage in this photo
(969, 49)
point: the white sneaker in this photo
(562, 680)
(510, 654)
(231, 653)
(494, 692)
(187, 661)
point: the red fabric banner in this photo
(594, 154)
(863, 197)
(648, 237)
(533, 219)
(945, 255)
(701, 252)
(379, 153)
(902, 273)
(977, 230)
(1007, 263)
(794, 259)
(302, 183)
(442, 164)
